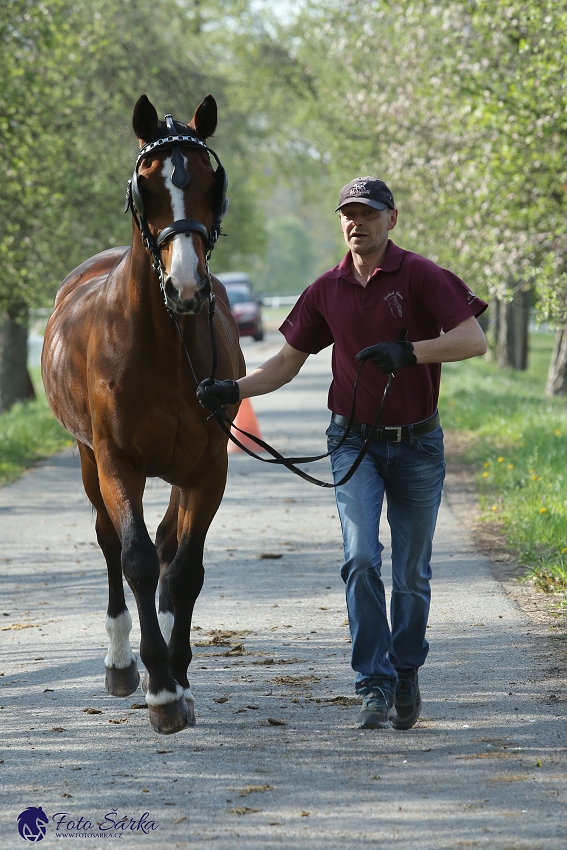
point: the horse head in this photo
(178, 200)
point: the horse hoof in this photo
(169, 718)
(121, 682)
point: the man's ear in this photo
(393, 220)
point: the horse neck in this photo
(143, 293)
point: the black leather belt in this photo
(390, 433)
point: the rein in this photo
(180, 177)
(226, 424)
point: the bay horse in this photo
(126, 344)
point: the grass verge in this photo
(517, 439)
(28, 433)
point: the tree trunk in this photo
(15, 381)
(512, 324)
(557, 375)
(493, 327)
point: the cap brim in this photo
(368, 202)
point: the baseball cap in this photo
(369, 191)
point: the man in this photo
(407, 316)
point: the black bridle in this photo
(180, 178)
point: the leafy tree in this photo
(71, 72)
(460, 106)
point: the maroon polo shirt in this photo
(406, 292)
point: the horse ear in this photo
(204, 121)
(145, 119)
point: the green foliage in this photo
(288, 265)
(518, 440)
(28, 433)
(71, 73)
(460, 106)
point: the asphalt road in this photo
(274, 760)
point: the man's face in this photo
(365, 229)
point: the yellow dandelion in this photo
(500, 459)
(543, 510)
(486, 464)
(510, 466)
(494, 507)
(558, 433)
(485, 474)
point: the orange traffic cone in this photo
(245, 419)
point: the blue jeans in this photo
(410, 473)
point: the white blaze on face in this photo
(184, 260)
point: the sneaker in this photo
(407, 699)
(377, 708)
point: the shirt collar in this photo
(391, 262)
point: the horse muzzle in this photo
(185, 299)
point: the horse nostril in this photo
(204, 285)
(170, 289)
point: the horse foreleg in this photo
(185, 574)
(122, 677)
(122, 489)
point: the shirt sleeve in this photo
(449, 300)
(305, 328)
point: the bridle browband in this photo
(180, 178)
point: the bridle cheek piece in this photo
(180, 178)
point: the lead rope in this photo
(225, 423)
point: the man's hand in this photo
(215, 394)
(389, 356)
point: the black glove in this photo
(389, 356)
(215, 394)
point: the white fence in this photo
(274, 302)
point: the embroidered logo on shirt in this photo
(470, 297)
(393, 299)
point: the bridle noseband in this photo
(180, 178)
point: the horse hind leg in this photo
(166, 544)
(185, 574)
(122, 677)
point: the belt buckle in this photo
(397, 429)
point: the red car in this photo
(243, 304)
